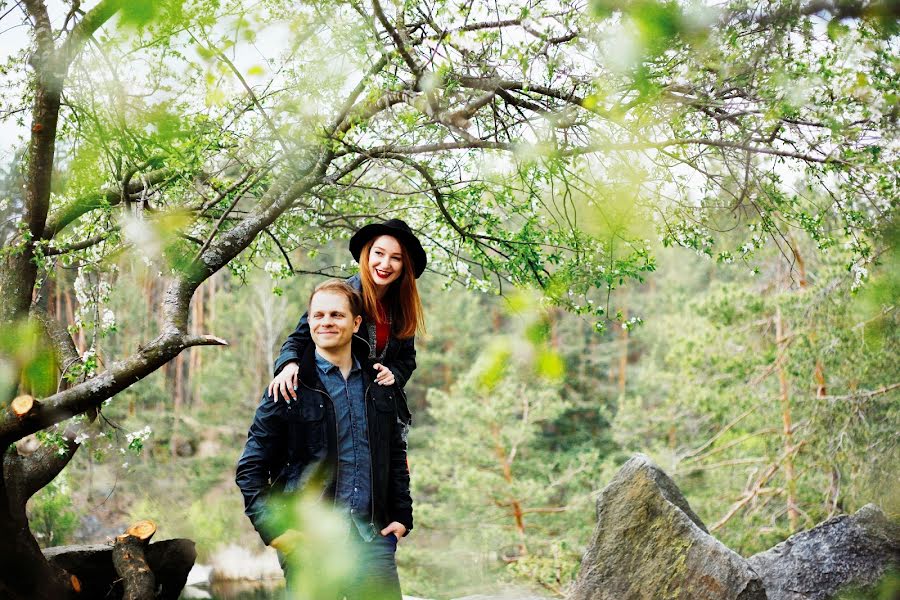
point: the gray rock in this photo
(649, 544)
(847, 550)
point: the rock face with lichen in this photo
(849, 550)
(649, 544)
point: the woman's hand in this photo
(385, 376)
(285, 383)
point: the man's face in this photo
(330, 322)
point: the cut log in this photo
(23, 405)
(170, 561)
(131, 564)
(28, 445)
(142, 530)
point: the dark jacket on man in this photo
(399, 356)
(293, 447)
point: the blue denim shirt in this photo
(354, 491)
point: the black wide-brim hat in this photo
(395, 228)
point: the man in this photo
(342, 433)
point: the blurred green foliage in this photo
(25, 350)
(52, 514)
(888, 588)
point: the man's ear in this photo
(357, 321)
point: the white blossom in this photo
(860, 274)
(81, 288)
(142, 434)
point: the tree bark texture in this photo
(131, 565)
(24, 573)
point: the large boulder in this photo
(649, 544)
(850, 550)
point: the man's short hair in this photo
(339, 286)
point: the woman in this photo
(390, 259)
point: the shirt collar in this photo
(326, 366)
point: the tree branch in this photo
(497, 84)
(278, 198)
(398, 41)
(593, 148)
(119, 376)
(838, 9)
(86, 243)
(69, 213)
(476, 238)
(41, 467)
(863, 395)
(237, 198)
(365, 110)
(354, 95)
(81, 33)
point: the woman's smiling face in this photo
(385, 260)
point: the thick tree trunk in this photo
(18, 275)
(24, 573)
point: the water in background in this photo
(266, 589)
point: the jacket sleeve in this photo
(399, 501)
(293, 347)
(405, 363)
(260, 464)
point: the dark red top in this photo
(382, 330)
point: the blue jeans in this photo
(376, 575)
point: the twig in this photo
(754, 492)
(721, 432)
(864, 395)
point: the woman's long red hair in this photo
(402, 297)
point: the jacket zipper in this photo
(369, 441)
(371, 460)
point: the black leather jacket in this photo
(400, 355)
(293, 448)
